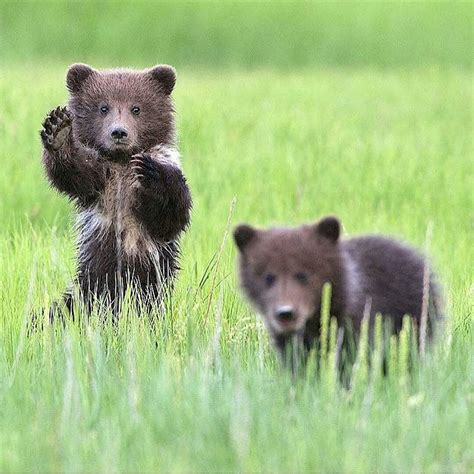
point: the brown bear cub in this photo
(112, 151)
(283, 270)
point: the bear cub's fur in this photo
(113, 152)
(283, 270)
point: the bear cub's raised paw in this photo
(56, 128)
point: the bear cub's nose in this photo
(119, 133)
(285, 313)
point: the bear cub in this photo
(283, 270)
(113, 152)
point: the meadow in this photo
(382, 140)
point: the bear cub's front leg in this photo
(163, 198)
(72, 168)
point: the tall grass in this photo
(386, 151)
(361, 110)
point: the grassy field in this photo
(239, 34)
(384, 144)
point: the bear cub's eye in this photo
(104, 109)
(301, 277)
(135, 110)
(269, 279)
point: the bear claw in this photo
(145, 169)
(56, 128)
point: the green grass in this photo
(285, 114)
(387, 151)
(235, 34)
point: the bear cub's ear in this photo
(165, 75)
(76, 75)
(329, 228)
(243, 235)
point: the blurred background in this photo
(238, 35)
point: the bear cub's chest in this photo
(113, 215)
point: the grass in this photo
(285, 114)
(235, 34)
(387, 151)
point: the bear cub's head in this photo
(283, 270)
(121, 112)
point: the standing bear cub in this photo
(283, 270)
(112, 151)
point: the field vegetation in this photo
(285, 112)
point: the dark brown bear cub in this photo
(283, 270)
(112, 151)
